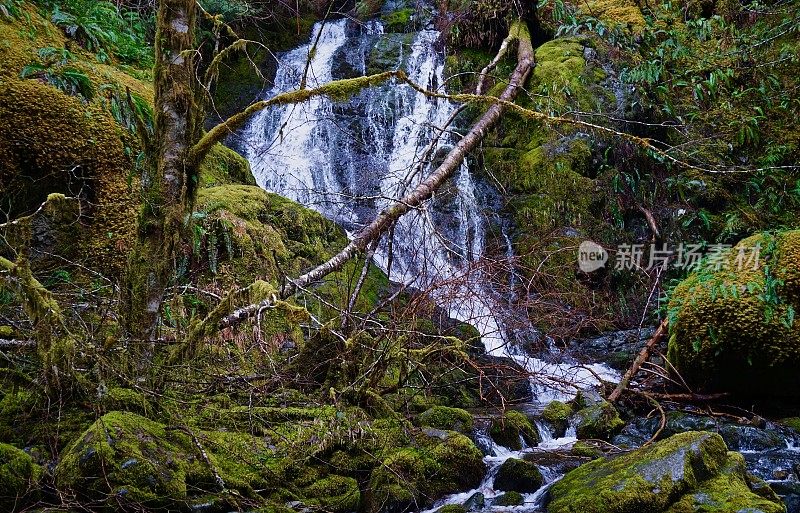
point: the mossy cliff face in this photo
(734, 329)
(690, 471)
(550, 176)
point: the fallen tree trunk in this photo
(642, 357)
(424, 190)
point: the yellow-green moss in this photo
(648, 479)
(19, 477)
(733, 329)
(223, 166)
(508, 429)
(442, 417)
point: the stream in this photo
(349, 160)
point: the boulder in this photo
(557, 414)
(19, 477)
(509, 499)
(513, 427)
(442, 417)
(732, 329)
(599, 421)
(688, 470)
(517, 475)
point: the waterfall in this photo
(350, 160)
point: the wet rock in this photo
(687, 472)
(442, 417)
(557, 414)
(452, 508)
(476, 502)
(599, 421)
(750, 438)
(509, 499)
(617, 349)
(586, 449)
(518, 476)
(512, 428)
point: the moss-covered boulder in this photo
(334, 493)
(509, 499)
(410, 476)
(557, 413)
(732, 325)
(511, 429)
(19, 477)
(730, 490)
(443, 417)
(599, 421)
(124, 458)
(516, 475)
(675, 472)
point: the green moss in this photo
(509, 499)
(517, 475)
(442, 417)
(19, 477)
(648, 479)
(452, 508)
(334, 493)
(508, 429)
(125, 458)
(421, 475)
(728, 491)
(792, 422)
(223, 166)
(125, 399)
(586, 449)
(730, 324)
(398, 21)
(557, 414)
(599, 421)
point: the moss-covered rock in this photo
(509, 499)
(443, 417)
(19, 477)
(557, 413)
(517, 475)
(657, 477)
(452, 508)
(127, 459)
(223, 166)
(512, 428)
(586, 449)
(334, 493)
(599, 421)
(733, 328)
(411, 476)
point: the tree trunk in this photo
(169, 184)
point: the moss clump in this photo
(251, 233)
(586, 449)
(512, 428)
(733, 329)
(517, 475)
(728, 491)
(509, 499)
(452, 508)
(398, 21)
(599, 421)
(125, 399)
(334, 493)
(654, 478)
(557, 414)
(442, 417)
(19, 477)
(223, 166)
(128, 459)
(411, 476)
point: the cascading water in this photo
(351, 159)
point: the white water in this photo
(349, 161)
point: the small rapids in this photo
(349, 160)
